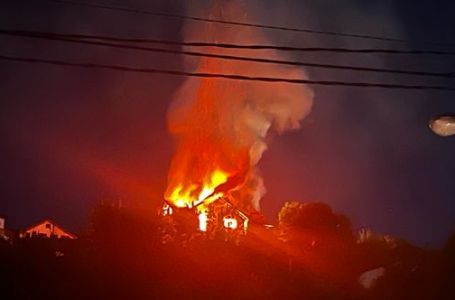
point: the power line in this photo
(242, 46)
(245, 24)
(223, 76)
(56, 37)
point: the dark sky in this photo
(72, 136)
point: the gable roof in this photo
(51, 222)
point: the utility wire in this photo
(242, 46)
(56, 37)
(245, 24)
(222, 75)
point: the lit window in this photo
(167, 210)
(202, 221)
(230, 223)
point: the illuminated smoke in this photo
(222, 125)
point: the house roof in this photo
(242, 214)
(53, 223)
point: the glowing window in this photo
(230, 223)
(202, 221)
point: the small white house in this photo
(2, 223)
(48, 229)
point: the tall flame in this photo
(186, 196)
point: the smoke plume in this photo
(221, 124)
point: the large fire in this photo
(193, 195)
(220, 126)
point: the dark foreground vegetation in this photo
(312, 254)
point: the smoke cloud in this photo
(224, 124)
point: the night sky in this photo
(70, 136)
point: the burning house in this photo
(211, 218)
(212, 205)
(221, 127)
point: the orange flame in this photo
(182, 196)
